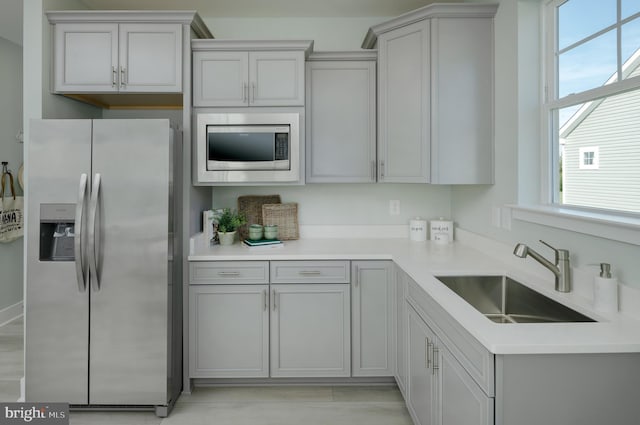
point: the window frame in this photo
(609, 224)
(552, 104)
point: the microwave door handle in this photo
(93, 212)
(79, 233)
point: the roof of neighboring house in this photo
(585, 110)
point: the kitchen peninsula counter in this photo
(612, 333)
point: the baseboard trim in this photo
(241, 382)
(9, 314)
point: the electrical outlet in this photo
(394, 207)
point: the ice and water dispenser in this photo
(57, 224)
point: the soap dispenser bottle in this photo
(605, 290)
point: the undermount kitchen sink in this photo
(504, 300)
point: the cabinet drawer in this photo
(310, 272)
(472, 355)
(228, 272)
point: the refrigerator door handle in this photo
(93, 212)
(78, 233)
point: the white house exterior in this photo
(601, 158)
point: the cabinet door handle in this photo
(264, 299)
(114, 76)
(436, 365)
(373, 171)
(273, 293)
(427, 348)
(253, 91)
(123, 76)
(245, 89)
(228, 273)
(382, 169)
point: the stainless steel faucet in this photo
(561, 269)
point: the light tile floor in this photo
(11, 359)
(284, 405)
(287, 405)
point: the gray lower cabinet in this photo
(241, 326)
(421, 380)
(229, 319)
(440, 390)
(401, 331)
(229, 331)
(373, 318)
(310, 330)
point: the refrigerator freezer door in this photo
(57, 312)
(129, 314)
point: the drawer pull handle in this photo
(229, 273)
(310, 272)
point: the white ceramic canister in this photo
(418, 229)
(441, 230)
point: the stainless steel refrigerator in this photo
(103, 300)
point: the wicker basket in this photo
(251, 207)
(285, 216)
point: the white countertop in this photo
(613, 333)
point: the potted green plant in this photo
(228, 224)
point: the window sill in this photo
(601, 224)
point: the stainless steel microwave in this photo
(248, 147)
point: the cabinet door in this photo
(462, 401)
(404, 111)
(462, 91)
(86, 58)
(402, 331)
(341, 122)
(151, 58)
(276, 78)
(310, 330)
(220, 79)
(422, 385)
(372, 315)
(229, 331)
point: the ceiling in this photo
(11, 10)
(271, 8)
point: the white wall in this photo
(518, 153)
(327, 33)
(350, 203)
(11, 151)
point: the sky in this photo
(591, 64)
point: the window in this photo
(592, 102)
(589, 158)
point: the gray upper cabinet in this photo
(241, 73)
(341, 118)
(403, 109)
(435, 86)
(117, 52)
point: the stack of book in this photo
(270, 243)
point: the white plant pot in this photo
(227, 238)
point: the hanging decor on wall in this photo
(11, 208)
